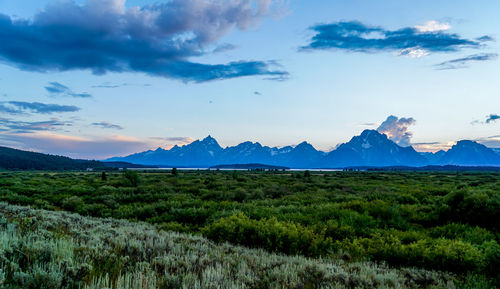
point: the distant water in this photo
(209, 169)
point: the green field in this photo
(444, 224)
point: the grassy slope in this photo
(45, 249)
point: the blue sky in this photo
(277, 72)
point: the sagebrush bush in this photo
(52, 250)
(440, 221)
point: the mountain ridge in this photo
(370, 149)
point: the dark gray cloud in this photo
(105, 36)
(105, 124)
(359, 37)
(463, 61)
(396, 129)
(57, 89)
(21, 107)
(14, 126)
(492, 118)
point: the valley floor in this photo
(45, 249)
(184, 229)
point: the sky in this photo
(100, 78)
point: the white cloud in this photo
(433, 26)
(396, 129)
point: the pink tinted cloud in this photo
(77, 147)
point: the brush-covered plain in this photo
(443, 224)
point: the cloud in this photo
(105, 124)
(416, 41)
(491, 141)
(413, 52)
(14, 126)
(76, 147)
(112, 85)
(20, 107)
(489, 119)
(57, 89)
(9, 109)
(171, 141)
(396, 129)
(463, 61)
(224, 48)
(432, 146)
(158, 39)
(492, 118)
(433, 26)
(109, 85)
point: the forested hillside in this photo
(13, 159)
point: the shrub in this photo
(132, 177)
(271, 234)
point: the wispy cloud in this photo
(464, 61)
(76, 147)
(57, 89)
(169, 142)
(157, 39)
(108, 125)
(21, 107)
(113, 85)
(489, 119)
(490, 141)
(396, 129)
(225, 47)
(15, 126)
(432, 146)
(415, 41)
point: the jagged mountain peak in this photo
(470, 153)
(304, 146)
(373, 136)
(370, 148)
(208, 142)
(209, 139)
(467, 143)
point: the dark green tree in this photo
(132, 177)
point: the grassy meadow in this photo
(296, 229)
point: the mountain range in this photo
(370, 149)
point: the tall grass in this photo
(46, 249)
